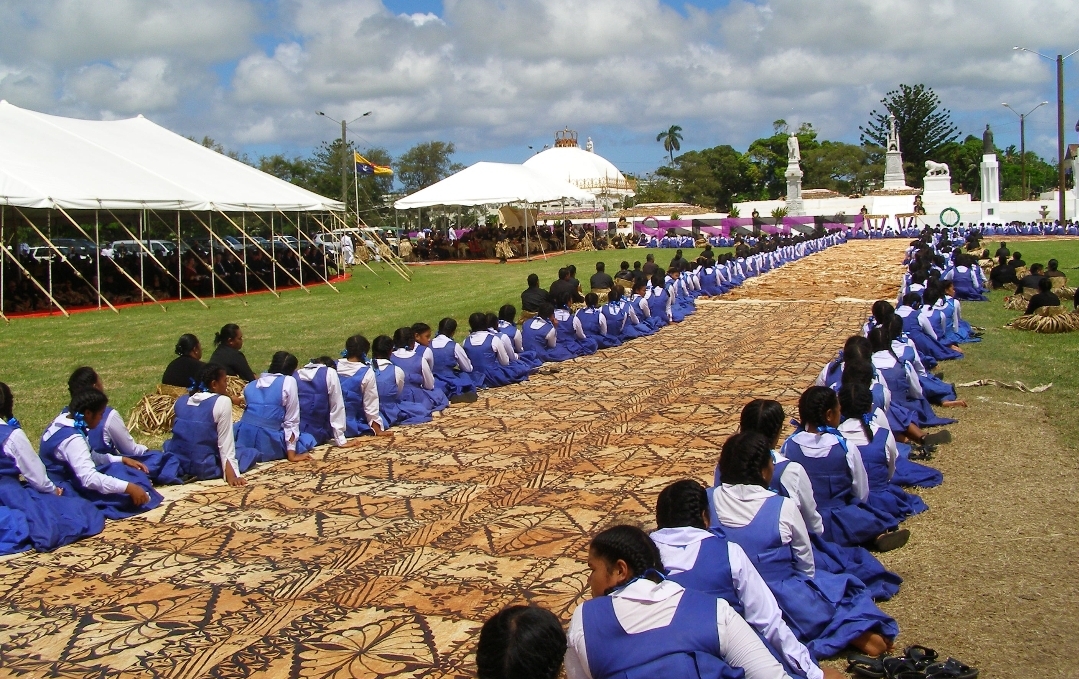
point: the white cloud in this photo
(500, 74)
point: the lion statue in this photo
(935, 169)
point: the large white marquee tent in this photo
(493, 184)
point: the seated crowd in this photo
(768, 570)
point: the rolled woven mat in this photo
(1048, 320)
(601, 292)
(1017, 385)
(1016, 302)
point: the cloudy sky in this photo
(498, 76)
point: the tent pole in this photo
(142, 260)
(59, 254)
(36, 282)
(48, 241)
(213, 274)
(299, 234)
(118, 267)
(3, 244)
(144, 250)
(209, 265)
(261, 249)
(273, 257)
(179, 259)
(527, 253)
(243, 220)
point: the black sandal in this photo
(921, 656)
(866, 666)
(937, 437)
(950, 669)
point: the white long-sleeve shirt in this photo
(75, 452)
(290, 399)
(427, 376)
(476, 339)
(562, 316)
(222, 409)
(883, 360)
(816, 445)
(116, 434)
(18, 448)
(737, 505)
(507, 344)
(398, 374)
(644, 605)
(855, 435)
(679, 548)
(517, 339)
(459, 354)
(368, 389)
(800, 489)
(333, 392)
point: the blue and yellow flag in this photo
(367, 168)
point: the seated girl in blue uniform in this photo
(594, 323)
(955, 329)
(638, 300)
(570, 333)
(489, 357)
(640, 624)
(322, 403)
(117, 485)
(453, 370)
(840, 485)
(521, 642)
(937, 391)
(681, 301)
(360, 390)
(391, 381)
(902, 380)
(878, 450)
(111, 437)
(706, 561)
(790, 480)
(539, 335)
(271, 422)
(202, 437)
(621, 321)
(827, 611)
(917, 326)
(51, 518)
(420, 387)
(517, 364)
(507, 325)
(659, 301)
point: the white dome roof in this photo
(586, 170)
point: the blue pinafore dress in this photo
(529, 358)
(567, 336)
(262, 424)
(884, 494)
(431, 400)
(314, 406)
(393, 410)
(535, 339)
(589, 319)
(112, 505)
(485, 363)
(194, 441)
(164, 469)
(355, 415)
(451, 381)
(50, 521)
(826, 612)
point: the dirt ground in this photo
(383, 560)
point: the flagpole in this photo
(356, 188)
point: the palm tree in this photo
(672, 140)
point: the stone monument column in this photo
(795, 206)
(894, 177)
(990, 178)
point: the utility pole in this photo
(345, 159)
(1023, 144)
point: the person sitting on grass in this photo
(229, 341)
(202, 436)
(1031, 280)
(640, 624)
(186, 367)
(119, 486)
(1044, 297)
(271, 421)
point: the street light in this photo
(344, 156)
(1060, 122)
(1023, 143)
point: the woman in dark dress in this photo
(228, 355)
(185, 369)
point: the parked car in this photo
(159, 248)
(43, 253)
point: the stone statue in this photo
(987, 142)
(893, 134)
(934, 169)
(588, 145)
(794, 153)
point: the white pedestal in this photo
(894, 177)
(937, 185)
(795, 205)
(990, 188)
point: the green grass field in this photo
(131, 349)
(1029, 357)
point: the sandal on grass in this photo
(937, 437)
(921, 656)
(901, 668)
(950, 669)
(924, 453)
(895, 539)
(866, 666)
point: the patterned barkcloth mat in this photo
(383, 560)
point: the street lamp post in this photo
(1023, 144)
(1060, 123)
(344, 156)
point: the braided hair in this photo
(857, 347)
(283, 363)
(856, 402)
(745, 456)
(211, 372)
(631, 545)
(7, 403)
(186, 344)
(882, 311)
(895, 329)
(87, 401)
(913, 300)
(880, 340)
(507, 313)
(682, 504)
(447, 326)
(521, 642)
(858, 372)
(403, 338)
(82, 379)
(814, 405)
(765, 417)
(382, 347)
(357, 347)
(477, 322)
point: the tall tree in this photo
(768, 158)
(713, 177)
(924, 126)
(426, 164)
(844, 168)
(672, 140)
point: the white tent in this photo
(493, 184)
(52, 162)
